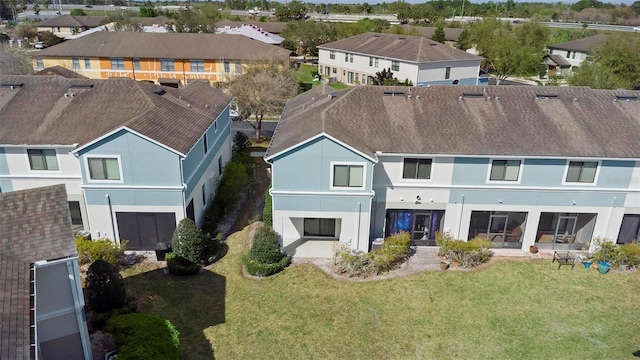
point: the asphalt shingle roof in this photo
(272, 27)
(416, 49)
(165, 46)
(446, 119)
(584, 45)
(35, 225)
(39, 113)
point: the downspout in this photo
(460, 216)
(358, 229)
(113, 226)
(184, 187)
(184, 74)
(133, 67)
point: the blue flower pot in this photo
(603, 267)
(587, 264)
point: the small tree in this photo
(240, 141)
(188, 241)
(105, 288)
(438, 35)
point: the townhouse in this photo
(357, 59)
(70, 26)
(169, 59)
(565, 57)
(135, 158)
(550, 166)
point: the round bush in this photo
(266, 247)
(188, 241)
(105, 288)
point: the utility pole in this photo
(462, 12)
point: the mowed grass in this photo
(304, 75)
(507, 310)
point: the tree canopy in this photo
(307, 35)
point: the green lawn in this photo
(304, 75)
(507, 310)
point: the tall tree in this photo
(307, 35)
(263, 89)
(438, 35)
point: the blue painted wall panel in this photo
(134, 197)
(547, 198)
(308, 168)
(615, 174)
(214, 139)
(542, 172)
(197, 172)
(143, 162)
(321, 203)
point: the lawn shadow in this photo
(191, 303)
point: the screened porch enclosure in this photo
(565, 231)
(504, 229)
(421, 224)
(630, 229)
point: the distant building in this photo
(565, 57)
(451, 35)
(69, 26)
(253, 32)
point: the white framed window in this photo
(370, 61)
(346, 57)
(350, 58)
(39, 64)
(76, 63)
(332, 55)
(347, 175)
(238, 67)
(395, 65)
(215, 125)
(204, 142)
(197, 66)
(447, 73)
(505, 170)
(204, 195)
(415, 168)
(227, 67)
(117, 63)
(87, 63)
(581, 172)
(318, 227)
(43, 160)
(104, 168)
(167, 65)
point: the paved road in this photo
(267, 128)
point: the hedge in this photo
(267, 211)
(144, 337)
(105, 249)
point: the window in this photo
(346, 57)
(505, 170)
(320, 227)
(332, 55)
(117, 64)
(204, 195)
(375, 62)
(197, 66)
(238, 67)
(43, 159)
(573, 55)
(87, 64)
(357, 78)
(416, 169)
(364, 79)
(370, 61)
(76, 214)
(76, 63)
(166, 65)
(136, 64)
(350, 58)
(447, 73)
(348, 176)
(204, 141)
(350, 77)
(395, 65)
(334, 70)
(582, 171)
(215, 125)
(227, 67)
(39, 64)
(220, 166)
(104, 168)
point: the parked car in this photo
(39, 45)
(88, 6)
(234, 115)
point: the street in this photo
(268, 127)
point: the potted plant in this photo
(444, 265)
(533, 249)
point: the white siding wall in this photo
(436, 71)
(360, 65)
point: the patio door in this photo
(565, 229)
(497, 228)
(421, 224)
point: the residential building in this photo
(273, 27)
(451, 35)
(253, 32)
(518, 165)
(69, 26)
(357, 59)
(168, 59)
(135, 158)
(42, 313)
(565, 57)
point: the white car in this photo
(233, 114)
(39, 45)
(636, 29)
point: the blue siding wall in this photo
(196, 162)
(537, 197)
(321, 203)
(144, 163)
(134, 197)
(308, 168)
(5, 184)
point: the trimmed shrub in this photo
(240, 141)
(105, 287)
(358, 264)
(393, 251)
(464, 253)
(181, 266)
(144, 336)
(267, 211)
(606, 250)
(265, 257)
(105, 249)
(630, 254)
(188, 241)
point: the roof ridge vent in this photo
(80, 86)
(546, 96)
(471, 95)
(11, 85)
(393, 93)
(627, 97)
(159, 91)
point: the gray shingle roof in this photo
(416, 49)
(559, 60)
(69, 20)
(584, 45)
(59, 70)
(38, 113)
(168, 45)
(272, 27)
(35, 225)
(450, 34)
(579, 122)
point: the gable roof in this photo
(446, 119)
(35, 225)
(416, 49)
(167, 46)
(450, 34)
(558, 60)
(72, 21)
(176, 119)
(61, 71)
(584, 45)
(272, 27)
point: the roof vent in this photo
(159, 91)
(472, 95)
(546, 96)
(626, 97)
(80, 86)
(393, 93)
(11, 85)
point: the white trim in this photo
(416, 181)
(44, 263)
(522, 188)
(553, 157)
(319, 193)
(322, 134)
(38, 146)
(574, 183)
(59, 312)
(332, 165)
(30, 170)
(101, 156)
(40, 175)
(132, 187)
(343, 51)
(129, 130)
(520, 168)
